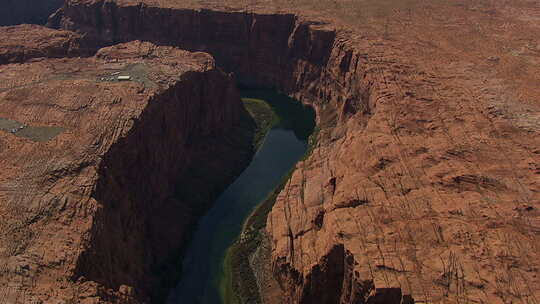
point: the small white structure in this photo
(124, 78)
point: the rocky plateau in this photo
(423, 186)
(83, 212)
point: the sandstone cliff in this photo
(425, 180)
(21, 43)
(89, 179)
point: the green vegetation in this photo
(239, 145)
(236, 148)
(290, 113)
(263, 116)
(239, 284)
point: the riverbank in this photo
(283, 121)
(432, 160)
(240, 283)
(263, 116)
(245, 138)
(246, 266)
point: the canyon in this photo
(28, 41)
(83, 210)
(423, 186)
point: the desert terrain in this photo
(422, 187)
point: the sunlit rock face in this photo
(424, 182)
(91, 162)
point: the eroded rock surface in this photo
(420, 187)
(91, 214)
(424, 185)
(21, 43)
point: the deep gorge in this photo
(303, 59)
(161, 186)
(422, 185)
(203, 277)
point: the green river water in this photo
(283, 146)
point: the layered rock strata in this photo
(424, 185)
(21, 43)
(93, 214)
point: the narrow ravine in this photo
(284, 144)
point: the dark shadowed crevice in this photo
(14, 12)
(302, 59)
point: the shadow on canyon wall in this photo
(27, 11)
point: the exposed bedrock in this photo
(138, 234)
(99, 211)
(24, 42)
(270, 50)
(274, 50)
(416, 174)
(27, 11)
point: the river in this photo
(284, 145)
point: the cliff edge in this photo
(93, 153)
(424, 184)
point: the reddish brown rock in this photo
(24, 42)
(424, 183)
(87, 185)
(413, 178)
